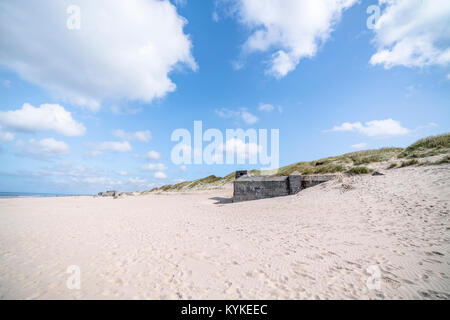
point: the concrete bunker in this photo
(254, 188)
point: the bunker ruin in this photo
(248, 188)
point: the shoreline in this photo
(40, 196)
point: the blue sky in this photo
(340, 86)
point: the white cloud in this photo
(142, 136)
(237, 65)
(101, 183)
(47, 117)
(6, 136)
(123, 50)
(373, 128)
(123, 173)
(448, 76)
(154, 167)
(45, 148)
(112, 146)
(227, 113)
(359, 146)
(116, 146)
(215, 16)
(243, 115)
(138, 181)
(86, 179)
(249, 118)
(413, 33)
(266, 107)
(160, 175)
(124, 109)
(291, 29)
(152, 155)
(183, 168)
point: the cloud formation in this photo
(160, 175)
(266, 107)
(110, 146)
(413, 33)
(126, 52)
(47, 117)
(373, 128)
(152, 155)
(115, 146)
(6, 136)
(154, 167)
(242, 114)
(290, 29)
(142, 136)
(359, 146)
(45, 148)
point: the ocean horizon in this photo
(36, 195)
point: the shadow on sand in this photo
(221, 200)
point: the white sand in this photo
(317, 244)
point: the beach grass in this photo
(427, 147)
(352, 163)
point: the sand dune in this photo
(318, 244)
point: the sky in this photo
(92, 91)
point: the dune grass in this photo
(341, 163)
(427, 147)
(350, 163)
(208, 180)
(392, 166)
(409, 163)
(359, 170)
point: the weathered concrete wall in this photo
(295, 183)
(311, 181)
(253, 188)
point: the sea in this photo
(34, 195)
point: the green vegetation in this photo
(409, 163)
(311, 168)
(191, 184)
(371, 156)
(392, 166)
(207, 180)
(359, 170)
(341, 163)
(350, 163)
(444, 160)
(427, 147)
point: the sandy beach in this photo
(317, 244)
